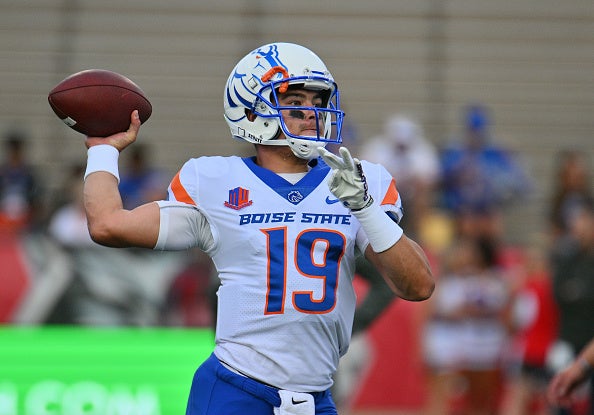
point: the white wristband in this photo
(381, 230)
(103, 158)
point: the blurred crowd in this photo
(503, 319)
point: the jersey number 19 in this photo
(309, 263)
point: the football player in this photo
(282, 228)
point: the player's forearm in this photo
(407, 270)
(401, 261)
(102, 203)
(111, 225)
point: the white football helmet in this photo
(254, 83)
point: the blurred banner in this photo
(98, 371)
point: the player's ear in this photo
(250, 115)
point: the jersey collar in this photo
(294, 193)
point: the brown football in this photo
(98, 102)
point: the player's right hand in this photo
(119, 140)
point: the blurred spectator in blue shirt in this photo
(478, 175)
(480, 179)
(19, 187)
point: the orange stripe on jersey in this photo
(391, 195)
(179, 192)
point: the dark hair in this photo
(14, 141)
(487, 249)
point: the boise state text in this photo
(285, 217)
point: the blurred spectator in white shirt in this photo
(413, 162)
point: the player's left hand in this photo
(347, 181)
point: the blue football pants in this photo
(217, 390)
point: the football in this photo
(98, 102)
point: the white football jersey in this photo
(285, 255)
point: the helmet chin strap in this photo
(298, 146)
(309, 146)
(301, 148)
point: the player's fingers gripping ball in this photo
(347, 182)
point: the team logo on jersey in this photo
(295, 196)
(238, 198)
